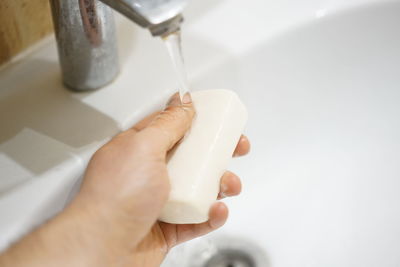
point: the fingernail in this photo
(174, 101)
(223, 189)
(223, 195)
(187, 99)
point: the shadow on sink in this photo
(45, 119)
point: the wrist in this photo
(100, 230)
(60, 242)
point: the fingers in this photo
(176, 234)
(184, 232)
(243, 147)
(218, 215)
(167, 128)
(230, 185)
(217, 218)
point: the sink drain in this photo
(226, 251)
(231, 258)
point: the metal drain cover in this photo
(227, 251)
(231, 258)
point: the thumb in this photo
(170, 125)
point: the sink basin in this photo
(321, 186)
(321, 80)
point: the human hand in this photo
(113, 219)
(126, 185)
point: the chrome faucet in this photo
(86, 39)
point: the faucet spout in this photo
(161, 17)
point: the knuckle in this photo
(173, 113)
(181, 113)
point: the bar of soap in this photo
(197, 164)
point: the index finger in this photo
(145, 122)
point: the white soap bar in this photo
(196, 165)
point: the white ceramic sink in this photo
(322, 184)
(321, 79)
